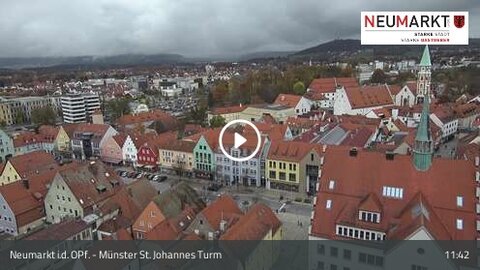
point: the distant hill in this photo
(338, 45)
(351, 46)
(264, 55)
(116, 60)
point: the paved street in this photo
(448, 149)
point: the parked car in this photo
(214, 187)
(131, 174)
(138, 175)
(160, 178)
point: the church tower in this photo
(424, 76)
(423, 147)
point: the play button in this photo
(239, 140)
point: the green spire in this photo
(422, 152)
(426, 57)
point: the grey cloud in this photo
(190, 27)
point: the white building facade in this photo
(77, 107)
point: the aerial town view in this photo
(215, 121)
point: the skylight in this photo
(328, 204)
(392, 192)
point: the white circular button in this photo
(239, 140)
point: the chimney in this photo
(389, 155)
(223, 225)
(353, 152)
(394, 114)
(26, 183)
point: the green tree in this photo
(118, 107)
(197, 115)
(299, 88)
(44, 116)
(217, 121)
(378, 76)
(19, 117)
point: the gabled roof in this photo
(223, 208)
(27, 138)
(96, 129)
(49, 132)
(288, 100)
(160, 140)
(150, 116)
(369, 96)
(130, 199)
(328, 85)
(273, 131)
(418, 213)
(172, 202)
(291, 150)
(91, 183)
(173, 227)
(254, 225)
(179, 146)
(33, 162)
(120, 139)
(228, 110)
(60, 231)
(25, 201)
(371, 172)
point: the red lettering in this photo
(370, 21)
(403, 22)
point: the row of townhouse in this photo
(83, 140)
(41, 193)
(47, 138)
(280, 164)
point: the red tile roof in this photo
(369, 96)
(150, 116)
(273, 131)
(291, 150)
(412, 85)
(86, 181)
(254, 225)
(287, 100)
(97, 129)
(31, 163)
(369, 172)
(27, 203)
(179, 146)
(130, 200)
(228, 110)
(328, 85)
(120, 139)
(222, 208)
(157, 142)
(60, 231)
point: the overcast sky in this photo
(190, 27)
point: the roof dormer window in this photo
(459, 201)
(369, 216)
(328, 205)
(331, 184)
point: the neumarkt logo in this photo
(414, 28)
(414, 21)
(459, 21)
